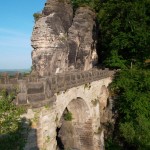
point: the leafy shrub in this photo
(68, 116)
(11, 128)
(37, 16)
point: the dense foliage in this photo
(94, 4)
(125, 35)
(125, 38)
(132, 103)
(11, 137)
(124, 42)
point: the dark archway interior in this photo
(58, 139)
(75, 132)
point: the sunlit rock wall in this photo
(49, 38)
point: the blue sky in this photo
(16, 25)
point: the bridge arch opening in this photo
(75, 127)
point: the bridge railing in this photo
(36, 92)
(61, 82)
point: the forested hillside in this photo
(124, 43)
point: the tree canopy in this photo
(132, 88)
(125, 35)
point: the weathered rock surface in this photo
(61, 43)
(82, 40)
(63, 10)
(106, 113)
(49, 38)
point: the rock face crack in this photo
(62, 43)
(82, 40)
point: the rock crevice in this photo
(82, 40)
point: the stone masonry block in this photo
(33, 88)
(22, 98)
(60, 81)
(78, 76)
(67, 81)
(86, 76)
(46, 103)
(94, 74)
(36, 97)
(73, 79)
(13, 81)
(90, 75)
(83, 78)
(22, 86)
(2, 81)
(78, 79)
(48, 88)
(54, 88)
(54, 80)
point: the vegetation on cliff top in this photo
(37, 16)
(94, 4)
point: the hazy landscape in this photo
(14, 71)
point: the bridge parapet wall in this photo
(11, 83)
(62, 82)
(14, 80)
(36, 92)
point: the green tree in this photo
(9, 113)
(132, 89)
(11, 128)
(94, 4)
(125, 32)
(125, 38)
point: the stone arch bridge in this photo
(83, 94)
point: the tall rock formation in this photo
(62, 43)
(49, 38)
(82, 40)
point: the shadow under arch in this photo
(75, 133)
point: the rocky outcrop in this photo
(82, 40)
(61, 42)
(49, 38)
(62, 9)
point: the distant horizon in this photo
(16, 69)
